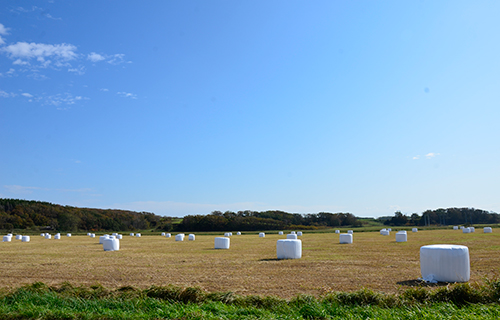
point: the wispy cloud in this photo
(430, 155)
(27, 95)
(95, 57)
(79, 71)
(3, 32)
(41, 12)
(17, 189)
(416, 157)
(127, 95)
(104, 89)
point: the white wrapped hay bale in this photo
(111, 244)
(138, 235)
(462, 227)
(292, 232)
(112, 237)
(445, 263)
(414, 230)
(345, 238)
(7, 238)
(163, 234)
(401, 236)
(68, 235)
(221, 243)
(389, 229)
(466, 230)
(132, 234)
(48, 236)
(88, 234)
(238, 233)
(385, 232)
(191, 237)
(25, 239)
(230, 234)
(487, 230)
(337, 231)
(289, 249)
(119, 237)
(280, 233)
(226, 234)
(102, 238)
(179, 237)
(351, 232)
(92, 235)
(57, 237)
(168, 235)
(19, 237)
(262, 235)
(299, 233)
(114, 234)
(455, 227)
(291, 236)
(42, 234)
(472, 229)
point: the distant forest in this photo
(36, 215)
(450, 216)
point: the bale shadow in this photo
(271, 259)
(421, 283)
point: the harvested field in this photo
(248, 267)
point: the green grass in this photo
(39, 301)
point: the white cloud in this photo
(42, 12)
(416, 157)
(3, 32)
(104, 89)
(27, 95)
(25, 50)
(127, 95)
(4, 94)
(21, 62)
(95, 57)
(116, 58)
(431, 155)
(79, 71)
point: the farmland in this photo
(249, 267)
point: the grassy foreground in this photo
(39, 301)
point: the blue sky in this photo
(185, 107)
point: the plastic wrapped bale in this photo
(472, 229)
(226, 234)
(351, 232)
(102, 238)
(401, 236)
(291, 236)
(238, 233)
(385, 232)
(487, 230)
(191, 237)
(389, 229)
(112, 237)
(289, 249)
(445, 263)
(280, 233)
(455, 227)
(119, 237)
(466, 230)
(262, 235)
(163, 234)
(168, 235)
(414, 230)
(292, 232)
(230, 234)
(462, 227)
(111, 244)
(88, 233)
(68, 235)
(299, 233)
(92, 235)
(42, 234)
(345, 238)
(114, 234)
(25, 239)
(179, 237)
(19, 236)
(221, 243)
(138, 235)
(48, 236)
(337, 231)
(132, 234)
(57, 234)
(7, 238)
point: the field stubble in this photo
(249, 267)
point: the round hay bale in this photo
(7, 238)
(289, 248)
(42, 234)
(221, 243)
(226, 234)
(455, 227)
(179, 237)
(111, 244)
(168, 235)
(102, 238)
(345, 238)
(385, 232)
(351, 232)
(291, 236)
(472, 229)
(132, 234)
(401, 236)
(19, 236)
(163, 234)
(138, 235)
(280, 233)
(25, 239)
(238, 233)
(191, 237)
(445, 263)
(57, 237)
(292, 232)
(414, 230)
(299, 233)
(262, 235)
(68, 235)
(119, 237)
(466, 230)
(92, 235)
(462, 227)
(487, 230)
(88, 233)
(48, 236)
(337, 231)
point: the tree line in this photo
(449, 216)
